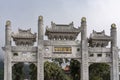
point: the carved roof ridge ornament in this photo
(21, 30)
(60, 25)
(62, 28)
(100, 32)
(99, 35)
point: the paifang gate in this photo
(61, 43)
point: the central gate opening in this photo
(62, 69)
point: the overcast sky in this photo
(24, 14)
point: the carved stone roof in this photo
(99, 39)
(24, 37)
(24, 34)
(62, 28)
(62, 31)
(99, 36)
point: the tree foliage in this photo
(75, 69)
(99, 71)
(53, 72)
(33, 72)
(59, 61)
(17, 71)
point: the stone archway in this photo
(95, 52)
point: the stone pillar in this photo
(84, 29)
(111, 73)
(7, 65)
(7, 56)
(40, 59)
(8, 33)
(115, 56)
(113, 35)
(40, 29)
(40, 64)
(84, 50)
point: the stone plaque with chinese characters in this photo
(62, 50)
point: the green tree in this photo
(59, 61)
(75, 69)
(17, 71)
(99, 71)
(53, 72)
(33, 72)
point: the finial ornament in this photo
(113, 25)
(40, 17)
(83, 19)
(8, 23)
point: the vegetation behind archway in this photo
(33, 71)
(99, 71)
(75, 69)
(17, 71)
(54, 72)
